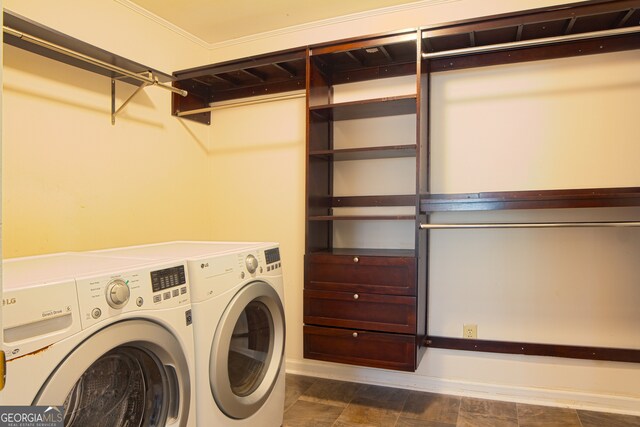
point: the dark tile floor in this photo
(320, 402)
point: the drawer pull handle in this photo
(355, 335)
(356, 296)
(356, 259)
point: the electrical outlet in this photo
(470, 330)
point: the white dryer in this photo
(239, 325)
(110, 339)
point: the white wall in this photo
(564, 286)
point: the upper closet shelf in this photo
(269, 74)
(33, 37)
(595, 27)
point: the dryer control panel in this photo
(138, 290)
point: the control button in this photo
(183, 290)
(252, 263)
(117, 293)
(260, 270)
(166, 295)
(242, 274)
(268, 268)
(139, 301)
(176, 292)
(157, 298)
(96, 313)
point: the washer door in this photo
(247, 350)
(132, 373)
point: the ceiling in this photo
(215, 21)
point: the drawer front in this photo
(370, 274)
(372, 312)
(374, 349)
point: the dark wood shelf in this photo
(379, 107)
(368, 153)
(367, 59)
(541, 199)
(409, 253)
(362, 218)
(536, 349)
(373, 201)
(267, 74)
(24, 25)
(529, 26)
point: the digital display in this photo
(272, 255)
(168, 278)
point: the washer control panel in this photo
(272, 258)
(143, 289)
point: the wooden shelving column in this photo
(363, 306)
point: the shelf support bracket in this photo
(115, 112)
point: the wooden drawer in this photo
(388, 313)
(367, 274)
(375, 349)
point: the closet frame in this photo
(569, 30)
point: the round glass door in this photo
(124, 387)
(247, 350)
(131, 373)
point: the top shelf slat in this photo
(541, 199)
(380, 107)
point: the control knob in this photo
(251, 263)
(117, 293)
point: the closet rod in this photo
(52, 46)
(232, 104)
(530, 225)
(530, 43)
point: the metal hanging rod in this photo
(148, 80)
(530, 225)
(233, 104)
(531, 43)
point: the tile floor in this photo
(318, 402)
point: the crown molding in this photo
(164, 23)
(330, 21)
(281, 31)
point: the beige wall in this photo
(71, 181)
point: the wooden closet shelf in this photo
(408, 253)
(368, 153)
(379, 107)
(539, 199)
(362, 218)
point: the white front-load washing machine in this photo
(237, 296)
(110, 339)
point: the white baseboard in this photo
(529, 395)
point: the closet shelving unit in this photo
(268, 74)
(367, 306)
(364, 306)
(31, 36)
(583, 29)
